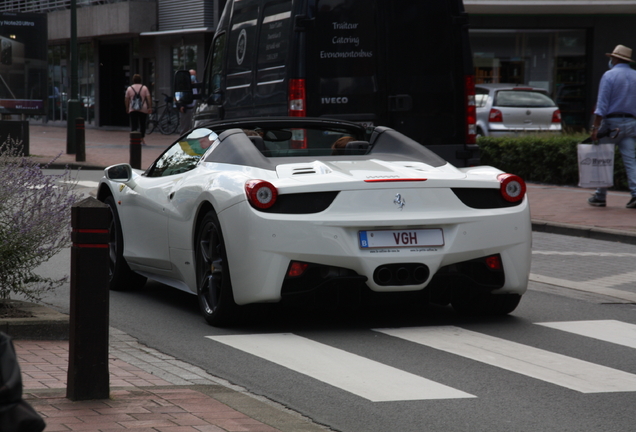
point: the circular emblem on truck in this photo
(241, 46)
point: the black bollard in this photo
(80, 140)
(88, 376)
(135, 150)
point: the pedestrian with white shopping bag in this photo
(615, 114)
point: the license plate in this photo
(401, 238)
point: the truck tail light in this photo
(471, 110)
(297, 98)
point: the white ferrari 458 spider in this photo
(259, 210)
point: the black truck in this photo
(405, 64)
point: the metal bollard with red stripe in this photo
(88, 376)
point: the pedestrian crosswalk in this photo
(379, 382)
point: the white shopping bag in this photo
(596, 165)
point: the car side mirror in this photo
(121, 173)
(183, 93)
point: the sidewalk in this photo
(151, 391)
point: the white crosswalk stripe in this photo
(555, 368)
(358, 375)
(378, 382)
(613, 331)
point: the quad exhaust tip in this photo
(401, 274)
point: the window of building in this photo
(86, 75)
(554, 60)
(57, 82)
(184, 58)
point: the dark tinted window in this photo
(517, 98)
(273, 49)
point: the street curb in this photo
(46, 323)
(591, 232)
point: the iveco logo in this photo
(399, 201)
(335, 100)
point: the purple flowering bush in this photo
(35, 222)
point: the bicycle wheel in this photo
(169, 121)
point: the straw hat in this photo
(621, 52)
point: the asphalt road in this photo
(563, 361)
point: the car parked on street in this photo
(256, 210)
(510, 109)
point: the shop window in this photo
(554, 60)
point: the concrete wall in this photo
(105, 20)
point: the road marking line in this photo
(554, 368)
(82, 183)
(366, 378)
(613, 331)
(588, 286)
(594, 254)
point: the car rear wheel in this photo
(121, 277)
(490, 304)
(214, 287)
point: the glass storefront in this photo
(59, 82)
(551, 59)
(184, 57)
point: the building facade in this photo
(119, 38)
(558, 45)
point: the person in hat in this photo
(616, 109)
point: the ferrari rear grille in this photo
(302, 203)
(480, 198)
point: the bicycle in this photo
(168, 121)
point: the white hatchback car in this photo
(509, 109)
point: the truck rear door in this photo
(342, 76)
(424, 69)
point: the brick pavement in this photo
(150, 391)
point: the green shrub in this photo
(542, 159)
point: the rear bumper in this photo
(259, 264)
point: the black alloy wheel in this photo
(214, 287)
(121, 277)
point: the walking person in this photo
(138, 106)
(616, 109)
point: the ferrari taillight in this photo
(296, 269)
(512, 187)
(261, 194)
(495, 116)
(494, 262)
